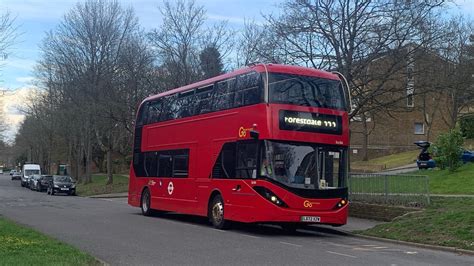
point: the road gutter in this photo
(414, 244)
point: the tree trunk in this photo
(88, 175)
(77, 171)
(110, 176)
(365, 139)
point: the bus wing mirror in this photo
(254, 134)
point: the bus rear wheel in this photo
(145, 203)
(216, 213)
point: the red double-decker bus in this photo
(266, 143)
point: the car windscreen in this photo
(62, 179)
(31, 172)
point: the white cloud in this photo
(26, 80)
(13, 102)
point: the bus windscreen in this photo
(306, 91)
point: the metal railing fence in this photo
(400, 190)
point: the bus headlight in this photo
(269, 195)
(341, 203)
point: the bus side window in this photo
(185, 105)
(224, 166)
(203, 99)
(246, 159)
(153, 112)
(139, 164)
(151, 163)
(224, 95)
(142, 115)
(249, 90)
(181, 163)
(164, 164)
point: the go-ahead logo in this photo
(243, 132)
(309, 204)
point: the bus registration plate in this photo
(314, 219)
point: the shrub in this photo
(447, 150)
(467, 127)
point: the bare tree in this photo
(370, 41)
(181, 39)
(458, 47)
(8, 36)
(96, 68)
(8, 33)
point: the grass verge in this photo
(20, 245)
(98, 185)
(446, 222)
(444, 182)
(385, 162)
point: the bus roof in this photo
(278, 68)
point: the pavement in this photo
(118, 234)
(400, 170)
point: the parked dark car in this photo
(467, 156)
(43, 182)
(424, 160)
(16, 175)
(61, 184)
(33, 182)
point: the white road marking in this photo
(361, 249)
(291, 244)
(251, 236)
(411, 252)
(341, 254)
(380, 247)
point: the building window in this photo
(410, 96)
(419, 128)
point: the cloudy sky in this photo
(35, 17)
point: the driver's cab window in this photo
(246, 159)
(330, 171)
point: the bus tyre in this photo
(145, 203)
(216, 213)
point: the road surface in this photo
(118, 234)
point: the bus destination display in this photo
(310, 122)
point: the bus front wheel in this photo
(145, 203)
(216, 213)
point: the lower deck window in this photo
(169, 163)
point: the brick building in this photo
(420, 111)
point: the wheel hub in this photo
(218, 212)
(145, 203)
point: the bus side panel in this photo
(134, 188)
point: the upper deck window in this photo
(306, 91)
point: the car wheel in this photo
(216, 213)
(145, 203)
